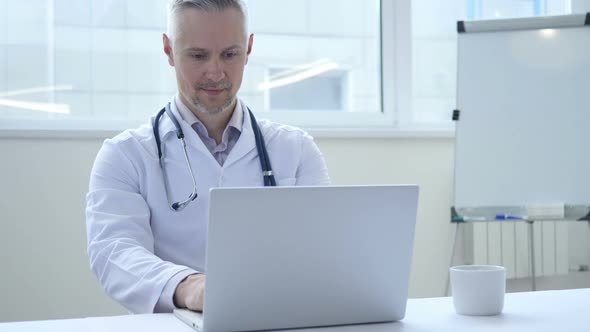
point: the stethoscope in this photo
(267, 175)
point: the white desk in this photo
(565, 310)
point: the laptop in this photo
(296, 257)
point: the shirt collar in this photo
(236, 121)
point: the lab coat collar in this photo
(244, 145)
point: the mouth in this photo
(213, 92)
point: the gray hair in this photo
(176, 6)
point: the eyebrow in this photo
(198, 49)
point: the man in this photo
(147, 256)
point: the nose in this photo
(215, 71)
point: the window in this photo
(290, 90)
(315, 63)
(102, 60)
(327, 51)
(82, 60)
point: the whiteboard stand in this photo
(453, 250)
(460, 216)
(532, 253)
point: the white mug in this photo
(478, 290)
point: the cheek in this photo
(188, 71)
(236, 73)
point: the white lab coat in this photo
(139, 248)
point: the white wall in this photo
(44, 268)
(426, 162)
(580, 6)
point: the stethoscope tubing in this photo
(267, 173)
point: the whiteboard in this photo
(524, 101)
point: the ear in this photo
(250, 43)
(168, 49)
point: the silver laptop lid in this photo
(288, 257)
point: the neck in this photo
(215, 123)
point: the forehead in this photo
(210, 29)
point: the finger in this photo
(201, 294)
(196, 295)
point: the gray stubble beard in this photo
(203, 109)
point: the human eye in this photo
(198, 56)
(230, 55)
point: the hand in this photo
(189, 293)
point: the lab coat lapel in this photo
(245, 143)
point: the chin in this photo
(215, 108)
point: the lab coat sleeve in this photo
(312, 170)
(120, 240)
(166, 301)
